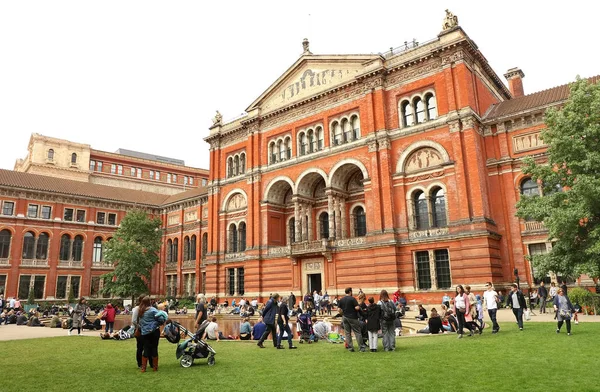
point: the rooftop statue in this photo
(218, 118)
(450, 21)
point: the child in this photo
(373, 323)
(480, 314)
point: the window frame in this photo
(12, 208)
(43, 211)
(29, 210)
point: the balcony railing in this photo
(34, 263)
(279, 250)
(69, 263)
(433, 232)
(171, 266)
(237, 255)
(189, 264)
(102, 265)
(307, 247)
(5, 262)
(534, 226)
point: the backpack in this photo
(389, 310)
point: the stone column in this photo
(298, 233)
(343, 219)
(331, 213)
(432, 270)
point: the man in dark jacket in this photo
(349, 308)
(516, 301)
(292, 301)
(284, 327)
(270, 317)
(542, 295)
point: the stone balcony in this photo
(309, 247)
(534, 226)
(428, 233)
(5, 262)
(34, 263)
(69, 264)
(171, 266)
(102, 265)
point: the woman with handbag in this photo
(461, 309)
(78, 313)
(150, 320)
(563, 309)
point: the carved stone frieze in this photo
(402, 75)
(454, 57)
(426, 176)
(530, 141)
(454, 126)
(372, 146)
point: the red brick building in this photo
(393, 170)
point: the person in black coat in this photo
(516, 301)
(373, 323)
(542, 295)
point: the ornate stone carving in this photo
(173, 220)
(351, 241)
(384, 144)
(450, 21)
(218, 119)
(456, 56)
(280, 250)
(236, 202)
(428, 233)
(316, 266)
(529, 141)
(422, 159)
(454, 126)
(191, 216)
(424, 177)
(412, 72)
(305, 47)
(468, 122)
(372, 146)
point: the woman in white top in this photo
(461, 306)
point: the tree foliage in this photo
(134, 250)
(570, 179)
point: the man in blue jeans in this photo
(516, 301)
(490, 300)
(349, 308)
(269, 317)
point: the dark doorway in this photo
(314, 282)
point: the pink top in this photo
(464, 297)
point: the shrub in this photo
(585, 298)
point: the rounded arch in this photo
(276, 189)
(416, 146)
(346, 161)
(35, 232)
(11, 229)
(436, 184)
(412, 191)
(230, 194)
(308, 179)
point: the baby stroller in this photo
(193, 347)
(306, 330)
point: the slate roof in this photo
(536, 100)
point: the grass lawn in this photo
(536, 359)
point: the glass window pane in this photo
(38, 286)
(442, 268)
(61, 287)
(423, 271)
(24, 282)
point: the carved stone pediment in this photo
(422, 159)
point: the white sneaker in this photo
(69, 333)
(576, 322)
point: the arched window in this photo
(169, 251)
(273, 152)
(347, 129)
(319, 138)
(529, 188)
(360, 222)
(419, 110)
(41, 252)
(77, 248)
(233, 242)
(439, 208)
(175, 254)
(5, 237)
(204, 245)
(73, 159)
(292, 231)
(324, 225)
(50, 154)
(303, 146)
(230, 167)
(242, 237)
(65, 247)
(186, 248)
(288, 147)
(236, 163)
(281, 147)
(97, 253)
(421, 211)
(242, 163)
(407, 114)
(355, 127)
(193, 248)
(337, 133)
(431, 106)
(29, 245)
(312, 146)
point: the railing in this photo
(171, 266)
(534, 226)
(408, 45)
(238, 255)
(434, 232)
(102, 265)
(5, 262)
(350, 241)
(69, 263)
(279, 250)
(309, 247)
(34, 263)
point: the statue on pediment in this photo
(450, 21)
(305, 46)
(218, 118)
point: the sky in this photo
(149, 75)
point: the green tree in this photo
(134, 252)
(570, 179)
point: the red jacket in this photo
(110, 313)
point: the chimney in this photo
(515, 81)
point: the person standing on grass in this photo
(461, 307)
(543, 296)
(283, 322)
(563, 309)
(516, 301)
(388, 318)
(200, 310)
(349, 308)
(78, 313)
(135, 323)
(150, 321)
(270, 317)
(109, 316)
(373, 323)
(490, 298)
